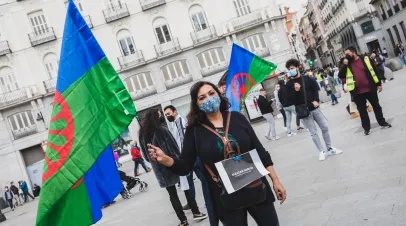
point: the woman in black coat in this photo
(154, 131)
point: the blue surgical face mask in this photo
(292, 73)
(210, 105)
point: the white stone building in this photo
(158, 47)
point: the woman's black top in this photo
(201, 142)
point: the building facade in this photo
(158, 47)
(393, 21)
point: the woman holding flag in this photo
(209, 118)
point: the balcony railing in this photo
(203, 35)
(384, 16)
(214, 69)
(390, 13)
(88, 21)
(4, 48)
(116, 12)
(50, 85)
(247, 20)
(178, 81)
(148, 4)
(264, 52)
(25, 132)
(42, 36)
(137, 95)
(131, 60)
(167, 48)
(18, 96)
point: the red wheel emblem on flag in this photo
(63, 121)
(241, 84)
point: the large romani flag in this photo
(91, 108)
(246, 70)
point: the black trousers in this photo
(284, 117)
(361, 101)
(177, 205)
(26, 194)
(263, 214)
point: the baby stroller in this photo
(131, 183)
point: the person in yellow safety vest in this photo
(363, 83)
(319, 78)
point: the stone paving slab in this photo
(365, 186)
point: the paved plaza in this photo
(366, 185)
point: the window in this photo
(367, 27)
(38, 23)
(397, 33)
(198, 18)
(126, 42)
(241, 7)
(21, 120)
(403, 27)
(113, 4)
(273, 24)
(8, 82)
(391, 37)
(255, 42)
(175, 70)
(162, 31)
(51, 65)
(138, 82)
(211, 57)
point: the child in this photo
(116, 157)
(137, 158)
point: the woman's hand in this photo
(159, 156)
(279, 191)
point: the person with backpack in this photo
(138, 159)
(24, 188)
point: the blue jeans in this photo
(289, 111)
(333, 97)
(137, 163)
(402, 58)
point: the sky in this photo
(295, 5)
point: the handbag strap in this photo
(304, 90)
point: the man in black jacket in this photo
(363, 83)
(266, 110)
(306, 92)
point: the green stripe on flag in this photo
(97, 102)
(260, 69)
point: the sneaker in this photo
(300, 128)
(291, 134)
(370, 108)
(336, 101)
(186, 207)
(199, 216)
(386, 125)
(184, 223)
(275, 138)
(322, 156)
(268, 137)
(334, 151)
(367, 132)
(333, 104)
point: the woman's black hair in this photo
(196, 116)
(149, 124)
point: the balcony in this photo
(42, 36)
(247, 20)
(18, 96)
(167, 48)
(25, 132)
(116, 12)
(178, 81)
(384, 16)
(139, 94)
(396, 7)
(214, 69)
(202, 36)
(131, 60)
(149, 4)
(4, 48)
(88, 21)
(50, 85)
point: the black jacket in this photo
(264, 105)
(285, 96)
(312, 91)
(343, 74)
